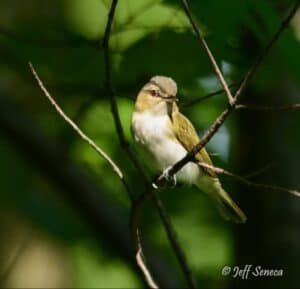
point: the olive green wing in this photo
(183, 128)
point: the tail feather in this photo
(228, 209)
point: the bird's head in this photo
(158, 95)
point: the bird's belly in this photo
(157, 137)
(170, 152)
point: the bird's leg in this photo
(171, 179)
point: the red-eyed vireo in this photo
(168, 135)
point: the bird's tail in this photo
(227, 208)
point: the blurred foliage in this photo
(94, 271)
(63, 40)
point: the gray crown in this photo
(166, 84)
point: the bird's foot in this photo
(170, 179)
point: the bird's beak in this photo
(171, 99)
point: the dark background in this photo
(64, 213)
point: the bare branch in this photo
(135, 238)
(245, 181)
(253, 69)
(205, 97)
(142, 265)
(74, 126)
(283, 108)
(109, 87)
(108, 80)
(171, 233)
(259, 171)
(208, 51)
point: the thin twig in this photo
(283, 108)
(259, 60)
(109, 87)
(208, 51)
(171, 233)
(108, 80)
(74, 126)
(259, 171)
(135, 238)
(142, 265)
(245, 181)
(205, 97)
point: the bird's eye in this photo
(153, 92)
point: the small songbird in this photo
(159, 127)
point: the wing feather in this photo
(182, 128)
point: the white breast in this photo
(155, 134)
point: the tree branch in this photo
(142, 265)
(108, 80)
(74, 126)
(259, 171)
(283, 108)
(205, 97)
(245, 181)
(208, 51)
(109, 87)
(171, 233)
(259, 60)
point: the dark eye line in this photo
(156, 93)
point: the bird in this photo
(167, 136)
